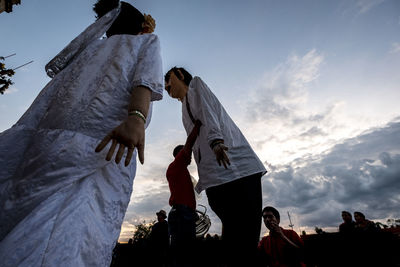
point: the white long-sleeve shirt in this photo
(216, 124)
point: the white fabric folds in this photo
(217, 124)
(62, 204)
(91, 33)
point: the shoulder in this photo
(143, 40)
(263, 241)
(151, 38)
(197, 83)
(199, 87)
(289, 232)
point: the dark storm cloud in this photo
(361, 173)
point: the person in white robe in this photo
(62, 203)
(229, 170)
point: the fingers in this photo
(112, 149)
(103, 143)
(224, 164)
(226, 158)
(140, 149)
(222, 157)
(129, 156)
(120, 153)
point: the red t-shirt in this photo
(179, 181)
(279, 253)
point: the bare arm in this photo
(130, 133)
(191, 139)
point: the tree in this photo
(5, 75)
(143, 231)
(319, 230)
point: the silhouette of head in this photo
(346, 216)
(129, 20)
(161, 215)
(177, 149)
(359, 216)
(181, 73)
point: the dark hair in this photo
(129, 20)
(346, 212)
(359, 214)
(177, 149)
(187, 77)
(273, 211)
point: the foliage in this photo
(143, 231)
(5, 75)
(319, 230)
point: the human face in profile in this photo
(175, 87)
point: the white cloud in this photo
(284, 88)
(365, 5)
(280, 121)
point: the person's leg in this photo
(189, 237)
(251, 213)
(182, 229)
(174, 227)
(238, 204)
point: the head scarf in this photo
(76, 46)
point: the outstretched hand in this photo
(221, 156)
(129, 134)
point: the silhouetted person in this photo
(159, 240)
(348, 224)
(182, 217)
(362, 224)
(281, 248)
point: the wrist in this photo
(137, 114)
(216, 142)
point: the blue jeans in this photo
(182, 228)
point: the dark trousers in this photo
(182, 228)
(238, 204)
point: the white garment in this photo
(216, 124)
(62, 204)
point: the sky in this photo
(313, 85)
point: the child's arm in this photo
(191, 139)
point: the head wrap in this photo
(76, 46)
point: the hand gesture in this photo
(129, 134)
(220, 154)
(274, 227)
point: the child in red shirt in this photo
(182, 217)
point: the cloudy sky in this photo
(313, 85)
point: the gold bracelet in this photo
(137, 113)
